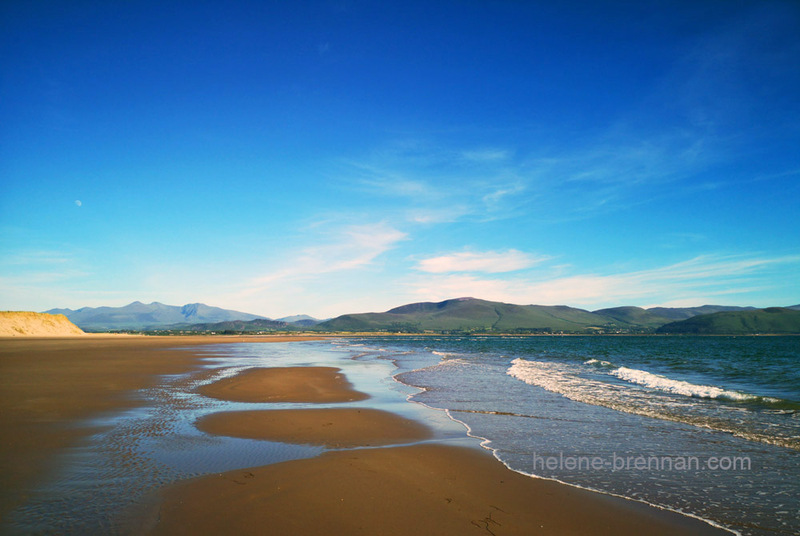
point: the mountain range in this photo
(457, 315)
(138, 315)
(154, 316)
(471, 315)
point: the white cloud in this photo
(487, 261)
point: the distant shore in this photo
(47, 386)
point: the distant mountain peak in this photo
(155, 315)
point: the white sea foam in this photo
(598, 362)
(572, 381)
(562, 378)
(446, 355)
(678, 387)
(566, 378)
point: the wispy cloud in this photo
(613, 172)
(438, 187)
(666, 145)
(41, 267)
(629, 164)
(486, 261)
(350, 248)
(500, 196)
(689, 281)
(433, 215)
(37, 258)
(325, 277)
(486, 155)
(393, 185)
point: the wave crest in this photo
(679, 387)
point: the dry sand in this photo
(333, 428)
(285, 384)
(425, 489)
(28, 324)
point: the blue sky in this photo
(333, 157)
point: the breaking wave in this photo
(679, 387)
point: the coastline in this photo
(396, 488)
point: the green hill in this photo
(470, 314)
(635, 316)
(774, 320)
(682, 313)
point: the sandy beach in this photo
(48, 386)
(333, 428)
(285, 384)
(427, 489)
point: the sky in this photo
(342, 156)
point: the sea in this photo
(706, 426)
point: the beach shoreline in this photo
(427, 488)
(51, 386)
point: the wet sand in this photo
(425, 489)
(420, 489)
(285, 384)
(48, 386)
(333, 428)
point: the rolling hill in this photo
(774, 320)
(470, 314)
(634, 316)
(682, 313)
(304, 321)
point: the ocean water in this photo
(708, 426)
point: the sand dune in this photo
(28, 324)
